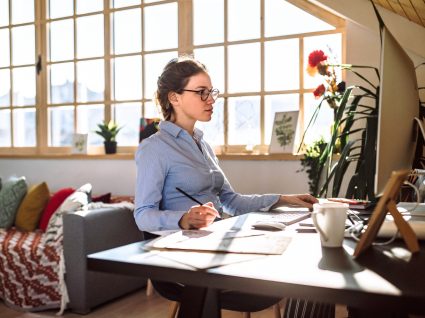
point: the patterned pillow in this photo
(11, 195)
(75, 202)
(32, 206)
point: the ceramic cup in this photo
(329, 220)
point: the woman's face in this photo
(189, 107)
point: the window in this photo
(76, 63)
(17, 74)
(258, 62)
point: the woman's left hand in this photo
(305, 200)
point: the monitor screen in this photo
(398, 106)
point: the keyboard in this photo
(289, 218)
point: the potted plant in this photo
(109, 132)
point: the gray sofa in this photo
(88, 232)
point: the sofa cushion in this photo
(31, 207)
(54, 203)
(105, 198)
(11, 195)
(75, 202)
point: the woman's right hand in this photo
(199, 216)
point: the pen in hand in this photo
(189, 196)
(193, 199)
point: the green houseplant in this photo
(354, 143)
(109, 132)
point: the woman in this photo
(178, 157)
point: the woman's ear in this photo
(173, 98)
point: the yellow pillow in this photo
(32, 207)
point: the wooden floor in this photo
(136, 305)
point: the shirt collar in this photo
(175, 130)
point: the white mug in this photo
(329, 219)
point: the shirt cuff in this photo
(268, 207)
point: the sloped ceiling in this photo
(413, 10)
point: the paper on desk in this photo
(246, 242)
(204, 260)
(411, 208)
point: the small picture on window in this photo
(79, 144)
(284, 133)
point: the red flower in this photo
(316, 57)
(319, 91)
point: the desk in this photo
(305, 270)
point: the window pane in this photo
(61, 84)
(22, 11)
(4, 12)
(244, 67)
(90, 81)
(23, 86)
(154, 64)
(90, 36)
(277, 103)
(244, 120)
(88, 116)
(23, 45)
(85, 6)
(62, 40)
(244, 19)
(213, 58)
(282, 70)
(322, 125)
(24, 127)
(5, 140)
(61, 8)
(4, 45)
(127, 31)
(128, 78)
(214, 129)
(152, 110)
(5, 87)
(128, 116)
(208, 21)
(283, 18)
(331, 45)
(124, 3)
(155, 36)
(61, 127)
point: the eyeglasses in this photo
(205, 93)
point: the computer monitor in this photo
(398, 107)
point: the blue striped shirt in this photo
(171, 158)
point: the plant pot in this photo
(110, 147)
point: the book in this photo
(355, 204)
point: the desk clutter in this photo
(242, 242)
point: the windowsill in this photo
(130, 156)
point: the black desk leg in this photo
(199, 302)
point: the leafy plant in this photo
(349, 108)
(108, 131)
(311, 164)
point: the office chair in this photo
(173, 309)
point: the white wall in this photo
(118, 176)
